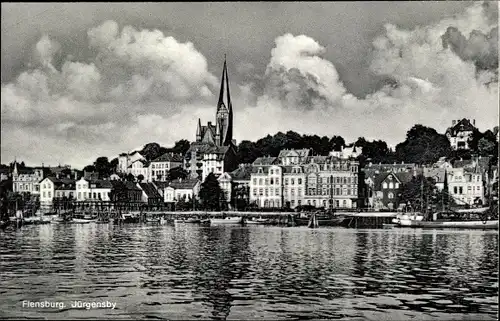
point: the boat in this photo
(407, 217)
(205, 221)
(227, 220)
(83, 220)
(153, 220)
(469, 219)
(258, 221)
(389, 225)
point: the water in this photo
(191, 272)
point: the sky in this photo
(83, 80)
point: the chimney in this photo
(453, 122)
(76, 175)
(474, 122)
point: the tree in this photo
(486, 147)
(140, 177)
(151, 151)
(103, 167)
(176, 173)
(180, 147)
(337, 143)
(129, 177)
(423, 145)
(89, 169)
(210, 193)
(421, 193)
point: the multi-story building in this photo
(385, 189)
(125, 159)
(351, 151)
(53, 187)
(294, 178)
(460, 133)
(160, 166)
(139, 167)
(214, 150)
(93, 190)
(236, 184)
(182, 189)
(464, 185)
(150, 194)
(27, 180)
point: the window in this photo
(271, 172)
(255, 181)
(461, 189)
(44, 195)
(293, 202)
(396, 185)
(277, 191)
(299, 181)
(384, 185)
(267, 181)
(292, 192)
(390, 195)
(292, 181)
(49, 194)
(272, 181)
(260, 181)
(79, 195)
(391, 185)
(286, 181)
(261, 191)
(337, 191)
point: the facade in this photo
(294, 178)
(182, 188)
(386, 189)
(460, 133)
(139, 167)
(125, 159)
(225, 183)
(93, 190)
(159, 167)
(27, 180)
(465, 186)
(125, 191)
(52, 187)
(150, 194)
(214, 150)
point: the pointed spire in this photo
(229, 106)
(198, 130)
(221, 94)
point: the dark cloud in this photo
(480, 48)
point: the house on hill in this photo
(460, 133)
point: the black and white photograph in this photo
(249, 160)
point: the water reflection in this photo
(224, 272)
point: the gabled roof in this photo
(144, 162)
(161, 184)
(461, 126)
(294, 152)
(207, 148)
(242, 172)
(169, 157)
(125, 184)
(150, 190)
(402, 178)
(62, 183)
(187, 183)
(268, 160)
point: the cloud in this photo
(142, 86)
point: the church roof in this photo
(168, 157)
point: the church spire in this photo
(198, 131)
(223, 78)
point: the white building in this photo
(465, 186)
(347, 152)
(52, 187)
(139, 167)
(160, 166)
(93, 190)
(27, 180)
(182, 188)
(460, 133)
(125, 159)
(294, 179)
(202, 159)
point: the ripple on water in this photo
(187, 272)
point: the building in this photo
(160, 166)
(125, 159)
(394, 167)
(385, 192)
(240, 185)
(125, 191)
(4, 174)
(93, 190)
(465, 186)
(27, 179)
(460, 133)
(182, 189)
(294, 178)
(52, 187)
(348, 152)
(139, 167)
(150, 194)
(214, 150)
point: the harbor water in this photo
(255, 272)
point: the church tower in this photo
(224, 115)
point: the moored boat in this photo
(468, 219)
(258, 221)
(227, 220)
(322, 220)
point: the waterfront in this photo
(219, 272)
